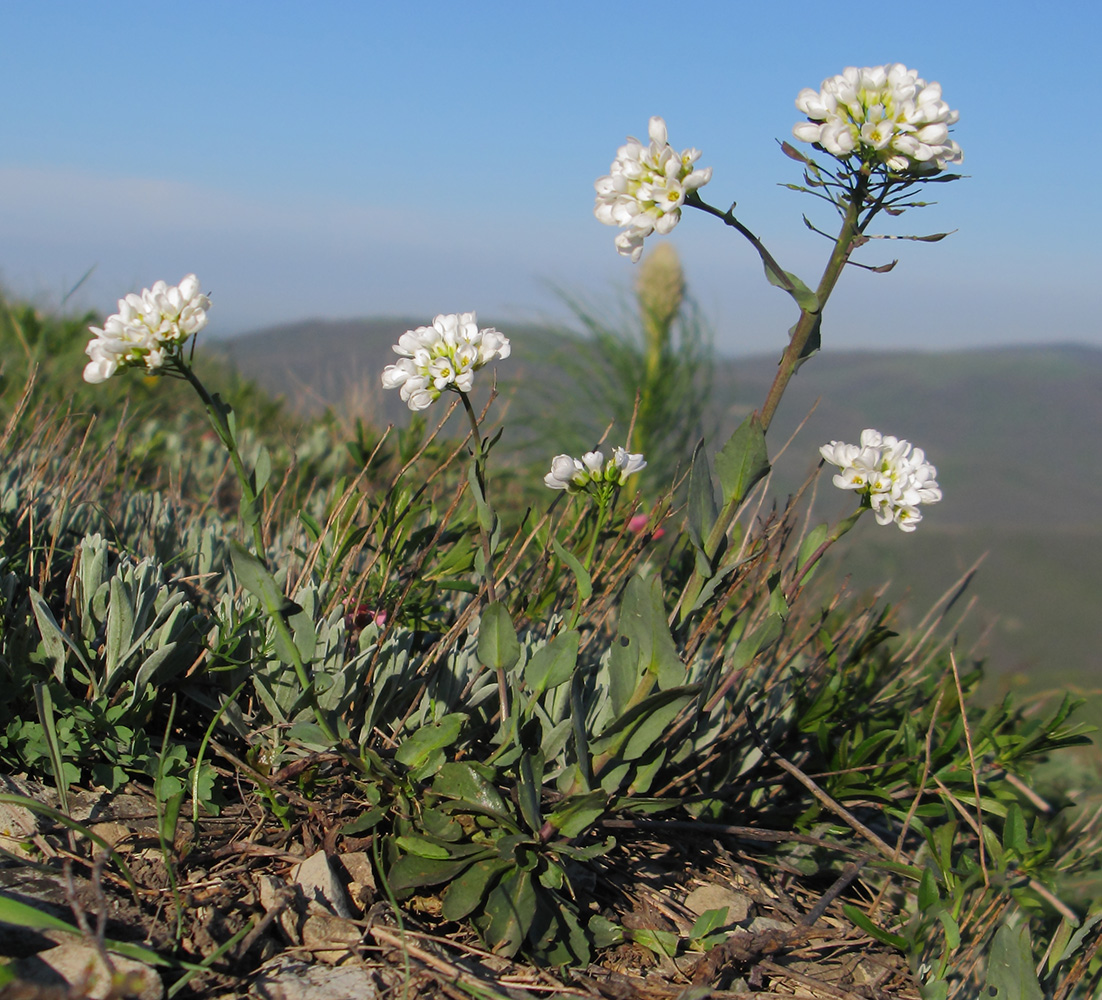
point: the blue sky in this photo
(351, 159)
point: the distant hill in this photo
(1014, 433)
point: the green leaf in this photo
(743, 461)
(411, 871)
(54, 640)
(708, 921)
(1010, 973)
(262, 471)
(701, 510)
(45, 705)
(464, 781)
(928, 896)
(553, 664)
(577, 813)
(660, 942)
(604, 932)
(529, 786)
(120, 628)
(636, 731)
(1077, 938)
(1014, 832)
(644, 644)
(877, 933)
(511, 907)
(815, 537)
(433, 736)
(760, 639)
(805, 298)
(581, 574)
(952, 930)
(466, 892)
(423, 847)
(253, 575)
(562, 942)
(498, 648)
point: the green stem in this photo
(812, 560)
(487, 544)
(809, 319)
(480, 474)
(216, 411)
(800, 334)
(602, 515)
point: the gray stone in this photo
(319, 884)
(289, 978)
(332, 939)
(78, 966)
(361, 879)
(716, 897)
(759, 924)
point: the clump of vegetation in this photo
(516, 713)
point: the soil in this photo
(234, 880)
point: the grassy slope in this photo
(1011, 432)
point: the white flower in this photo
(147, 330)
(591, 473)
(624, 464)
(892, 477)
(566, 473)
(646, 187)
(442, 356)
(884, 114)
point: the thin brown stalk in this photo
(972, 764)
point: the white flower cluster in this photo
(442, 356)
(646, 188)
(881, 113)
(576, 475)
(147, 329)
(892, 475)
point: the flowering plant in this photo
(890, 475)
(591, 473)
(148, 330)
(646, 187)
(882, 114)
(442, 356)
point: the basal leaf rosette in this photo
(148, 330)
(891, 476)
(883, 115)
(592, 473)
(442, 356)
(646, 187)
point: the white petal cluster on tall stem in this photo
(592, 472)
(646, 187)
(882, 114)
(442, 356)
(892, 476)
(147, 329)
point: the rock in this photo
(361, 879)
(332, 939)
(319, 884)
(716, 897)
(276, 895)
(760, 924)
(289, 978)
(78, 966)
